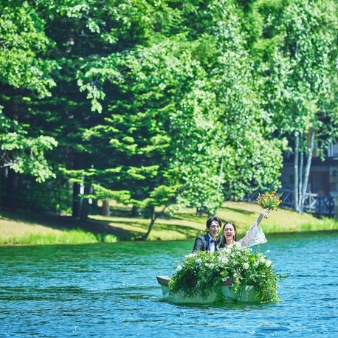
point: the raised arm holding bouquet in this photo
(254, 235)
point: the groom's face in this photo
(214, 229)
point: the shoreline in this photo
(26, 228)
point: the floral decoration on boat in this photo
(203, 272)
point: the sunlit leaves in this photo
(301, 68)
(23, 43)
(26, 155)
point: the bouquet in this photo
(269, 200)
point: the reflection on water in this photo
(110, 290)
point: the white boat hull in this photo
(229, 296)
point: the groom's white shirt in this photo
(212, 246)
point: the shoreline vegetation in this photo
(29, 229)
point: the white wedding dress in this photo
(254, 235)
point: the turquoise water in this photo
(110, 290)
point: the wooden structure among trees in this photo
(313, 203)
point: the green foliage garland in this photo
(203, 272)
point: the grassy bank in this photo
(36, 229)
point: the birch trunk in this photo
(296, 169)
(300, 189)
(308, 165)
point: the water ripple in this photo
(110, 290)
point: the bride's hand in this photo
(266, 213)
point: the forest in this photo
(160, 104)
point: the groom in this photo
(209, 241)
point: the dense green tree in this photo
(25, 72)
(84, 34)
(183, 136)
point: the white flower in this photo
(268, 263)
(224, 260)
(246, 265)
(227, 250)
(210, 265)
(198, 261)
(190, 255)
(179, 267)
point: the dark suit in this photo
(203, 243)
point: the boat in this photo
(229, 296)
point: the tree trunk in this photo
(151, 225)
(105, 208)
(11, 200)
(303, 178)
(300, 189)
(134, 211)
(152, 220)
(76, 210)
(85, 204)
(80, 162)
(308, 166)
(296, 169)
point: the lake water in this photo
(110, 290)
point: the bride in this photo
(254, 235)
